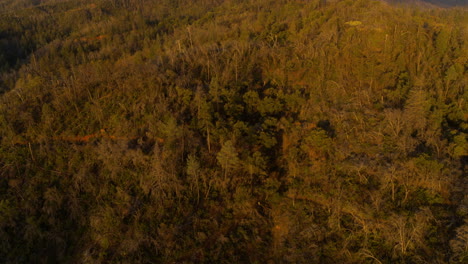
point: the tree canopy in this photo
(229, 131)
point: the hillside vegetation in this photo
(211, 131)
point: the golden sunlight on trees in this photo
(215, 131)
(228, 157)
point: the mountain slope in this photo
(232, 131)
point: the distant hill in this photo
(448, 2)
(440, 3)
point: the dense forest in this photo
(233, 131)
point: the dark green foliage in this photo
(210, 131)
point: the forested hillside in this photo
(233, 131)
